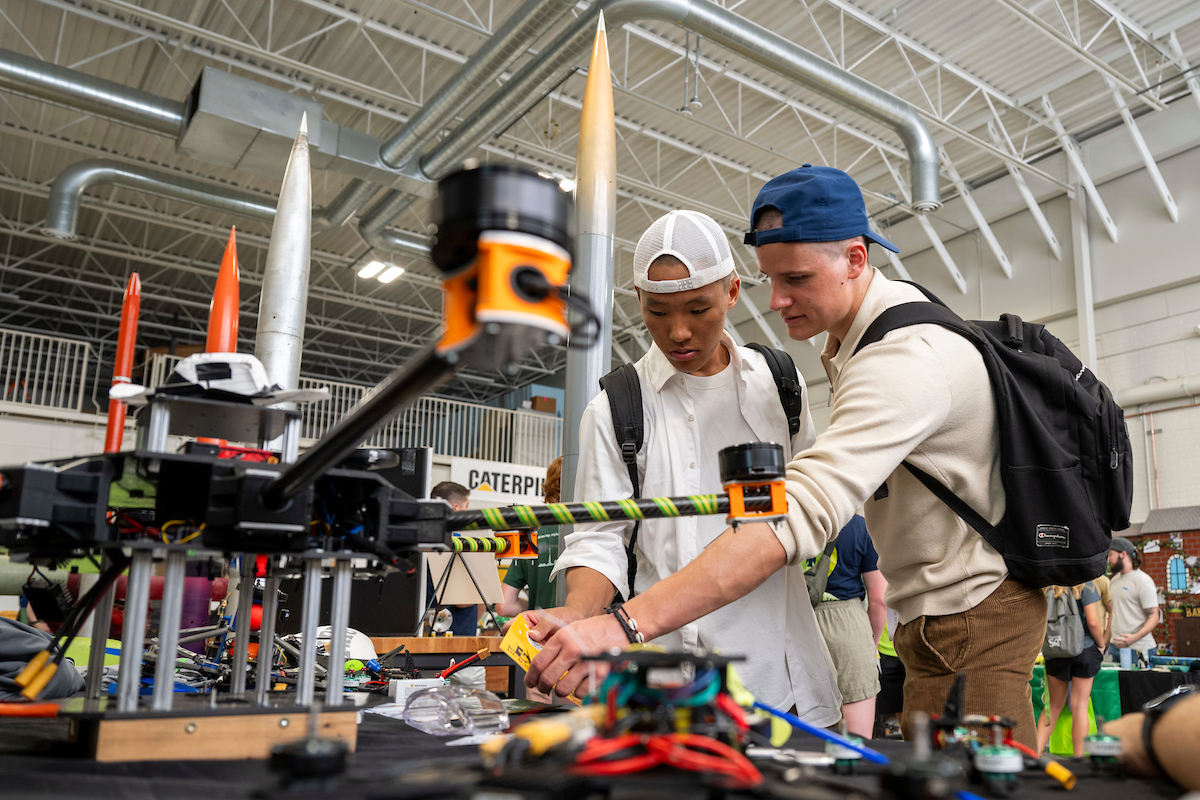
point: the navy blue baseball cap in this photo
(819, 204)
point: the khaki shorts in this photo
(847, 632)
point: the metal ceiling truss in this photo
(932, 77)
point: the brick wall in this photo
(1155, 565)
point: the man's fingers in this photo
(539, 663)
(557, 657)
(579, 679)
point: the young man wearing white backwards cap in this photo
(700, 393)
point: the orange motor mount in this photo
(504, 240)
(755, 469)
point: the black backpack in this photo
(1064, 447)
(625, 399)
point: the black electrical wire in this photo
(86, 605)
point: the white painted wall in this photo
(24, 438)
(1146, 286)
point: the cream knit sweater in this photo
(921, 394)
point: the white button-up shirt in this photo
(774, 626)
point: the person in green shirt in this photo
(890, 699)
(534, 573)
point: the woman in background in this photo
(1073, 676)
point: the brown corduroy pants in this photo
(995, 643)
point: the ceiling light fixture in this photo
(372, 269)
(567, 184)
(391, 273)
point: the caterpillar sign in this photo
(495, 483)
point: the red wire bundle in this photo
(453, 668)
(687, 751)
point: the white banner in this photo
(495, 483)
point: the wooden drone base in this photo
(206, 738)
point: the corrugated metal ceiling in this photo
(371, 64)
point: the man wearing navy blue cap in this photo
(921, 394)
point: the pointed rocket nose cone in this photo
(596, 154)
(229, 262)
(134, 287)
(304, 124)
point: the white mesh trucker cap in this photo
(695, 239)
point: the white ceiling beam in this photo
(862, 17)
(927, 227)
(961, 133)
(620, 351)
(1186, 15)
(1073, 156)
(1192, 82)
(981, 223)
(1030, 201)
(752, 307)
(1065, 42)
(732, 330)
(1164, 192)
(1081, 255)
(388, 31)
(1135, 27)
(236, 44)
(901, 271)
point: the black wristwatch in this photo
(1153, 710)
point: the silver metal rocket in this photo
(596, 219)
(279, 341)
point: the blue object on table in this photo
(821, 733)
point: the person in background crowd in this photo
(1104, 609)
(1072, 677)
(533, 574)
(890, 700)
(464, 618)
(851, 630)
(1135, 600)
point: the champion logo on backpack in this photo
(1053, 536)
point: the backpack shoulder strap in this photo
(937, 313)
(624, 390)
(918, 313)
(783, 370)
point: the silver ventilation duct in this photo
(62, 213)
(718, 26)
(354, 153)
(524, 26)
(239, 123)
(61, 86)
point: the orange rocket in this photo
(123, 366)
(223, 313)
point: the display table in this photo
(393, 760)
(1115, 691)
(435, 652)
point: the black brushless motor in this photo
(756, 462)
(497, 197)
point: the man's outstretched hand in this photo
(560, 666)
(544, 622)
